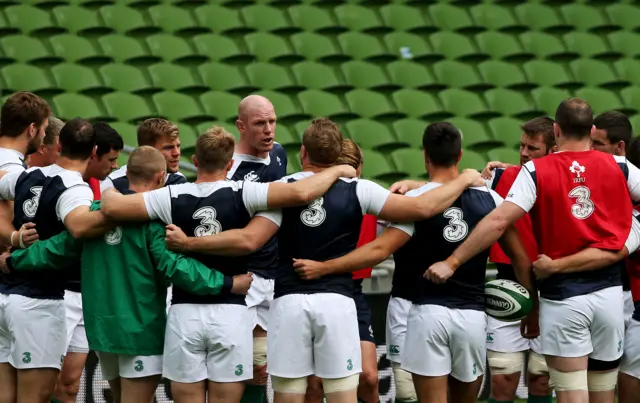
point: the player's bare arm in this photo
(586, 260)
(367, 255)
(83, 223)
(9, 236)
(512, 245)
(116, 206)
(491, 165)
(402, 187)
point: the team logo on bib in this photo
(577, 170)
(314, 214)
(208, 223)
(30, 206)
(251, 177)
(457, 228)
(114, 236)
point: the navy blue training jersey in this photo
(434, 240)
(253, 169)
(327, 228)
(118, 179)
(202, 209)
(43, 196)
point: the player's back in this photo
(436, 238)
(118, 179)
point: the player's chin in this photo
(266, 145)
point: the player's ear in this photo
(459, 156)
(240, 126)
(161, 179)
(194, 160)
(303, 154)
(229, 165)
(94, 153)
(556, 130)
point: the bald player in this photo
(258, 158)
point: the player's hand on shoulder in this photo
(472, 177)
(347, 171)
(27, 234)
(543, 267)
(438, 273)
(241, 284)
(176, 238)
(404, 186)
(309, 269)
(487, 172)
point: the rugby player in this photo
(48, 151)
(210, 338)
(258, 158)
(582, 323)
(314, 321)
(121, 277)
(55, 197)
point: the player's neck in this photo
(203, 177)
(19, 144)
(141, 187)
(244, 148)
(72, 165)
(312, 168)
(575, 145)
(443, 174)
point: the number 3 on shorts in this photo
(583, 207)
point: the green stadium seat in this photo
(293, 163)
(503, 46)
(472, 160)
(188, 138)
(410, 131)
(175, 20)
(595, 73)
(419, 104)
(625, 15)
(317, 47)
(125, 78)
(625, 43)
(539, 17)
(635, 121)
(318, 76)
(629, 70)
(364, 47)
(496, 17)
(225, 77)
(409, 74)
(360, 18)
(589, 45)
(586, 18)
(172, 77)
(507, 155)
(602, 100)
(547, 99)
(288, 139)
(127, 107)
(126, 21)
(456, 46)
(220, 48)
(42, 4)
(24, 49)
(376, 165)
(410, 161)
(123, 49)
(320, 103)
(173, 49)
(179, 107)
(129, 135)
(271, 48)
(300, 127)
(285, 106)
(465, 104)
(76, 78)
(271, 77)
(68, 106)
(401, 17)
(546, 46)
(220, 20)
(507, 130)
(25, 77)
(221, 105)
(511, 103)
(31, 20)
(235, 3)
(372, 135)
(545, 73)
(229, 127)
(314, 19)
(372, 105)
(80, 21)
(502, 74)
(459, 75)
(76, 49)
(263, 18)
(447, 17)
(474, 135)
(410, 46)
(6, 28)
(366, 75)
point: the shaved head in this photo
(257, 126)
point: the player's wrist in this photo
(453, 262)
(13, 239)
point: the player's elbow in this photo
(77, 231)
(248, 243)
(498, 221)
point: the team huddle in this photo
(264, 270)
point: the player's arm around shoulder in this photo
(55, 253)
(132, 207)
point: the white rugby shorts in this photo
(208, 341)
(259, 299)
(313, 334)
(76, 335)
(396, 328)
(630, 364)
(505, 337)
(441, 341)
(129, 366)
(32, 332)
(629, 307)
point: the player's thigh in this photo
(505, 337)
(229, 334)
(72, 368)
(396, 327)
(336, 340)
(109, 365)
(5, 334)
(468, 347)
(185, 346)
(38, 332)
(139, 390)
(607, 328)
(565, 327)
(426, 350)
(630, 364)
(290, 338)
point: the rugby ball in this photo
(507, 300)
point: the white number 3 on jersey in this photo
(583, 206)
(30, 206)
(314, 214)
(457, 228)
(208, 223)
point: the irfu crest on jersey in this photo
(30, 206)
(114, 236)
(314, 214)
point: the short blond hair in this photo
(323, 142)
(214, 149)
(144, 164)
(351, 154)
(153, 129)
(52, 132)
